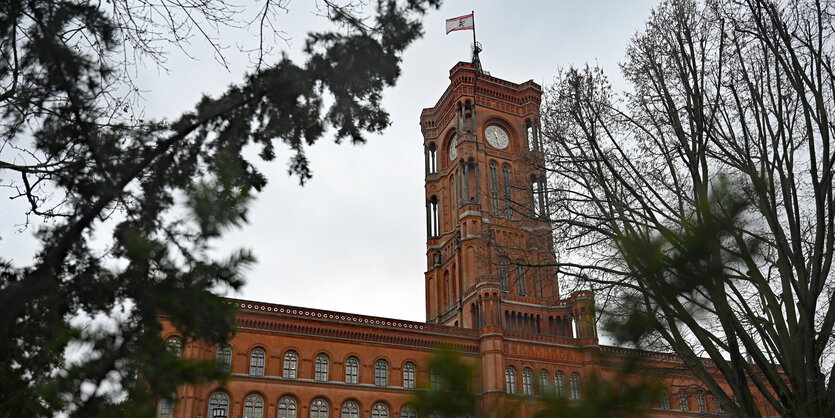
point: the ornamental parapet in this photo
(425, 334)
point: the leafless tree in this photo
(703, 200)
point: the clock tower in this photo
(489, 245)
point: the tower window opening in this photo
(529, 135)
(494, 189)
(538, 198)
(533, 136)
(431, 158)
(508, 208)
(469, 177)
(502, 273)
(469, 117)
(433, 227)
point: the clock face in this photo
(453, 150)
(496, 136)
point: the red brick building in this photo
(485, 295)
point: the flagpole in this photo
(478, 68)
(475, 44)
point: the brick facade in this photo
(489, 292)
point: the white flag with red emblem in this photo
(465, 22)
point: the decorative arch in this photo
(287, 407)
(350, 408)
(218, 405)
(254, 405)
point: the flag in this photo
(460, 23)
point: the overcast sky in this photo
(353, 239)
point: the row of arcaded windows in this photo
(288, 407)
(664, 400)
(322, 367)
(544, 382)
(257, 363)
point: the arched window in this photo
(494, 189)
(164, 408)
(254, 406)
(321, 370)
(218, 405)
(380, 410)
(520, 280)
(287, 407)
(510, 380)
(223, 358)
(682, 401)
(291, 361)
(256, 362)
(543, 381)
(174, 345)
(408, 412)
(623, 391)
(502, 273)
(381, 372)
(409, 376)
(574, 382)
(352, 367)
(559, 384)
(350, 410)
(319, 408)
(665, 399)
(527, 382)
(700, 398)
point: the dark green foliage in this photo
(166, 189)
(452, 395)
